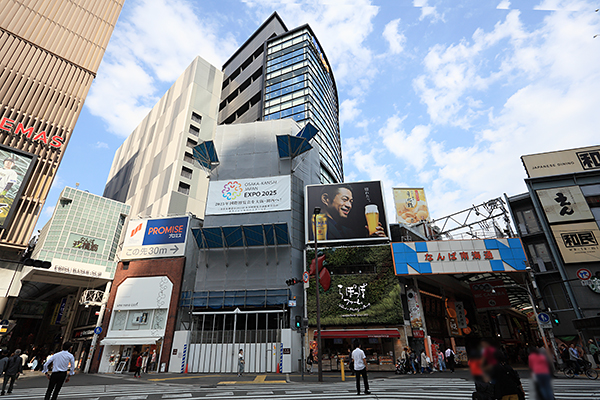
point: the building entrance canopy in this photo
(41, 275)
(360, 333)
(129, 341)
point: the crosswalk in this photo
(400, 388)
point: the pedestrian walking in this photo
(14, 367)
(441, 360)
(153, 361)
(145, 357)
(138, 367)
(593, 349)
(25, 358)
(310, 361)
(62, 362)
(241, 362)
(424, 363)
(450, 358)
(413, 360)
(541, 372)
(507, 383)
(360, 367)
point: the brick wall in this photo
(173, 269)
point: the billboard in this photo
(411, 205)
(242, 196)
(564, 204)
(562, 162)
(490, 295)
(578, 242)
(459, 256)
(14, 173)
(155, 238)
(349, 212)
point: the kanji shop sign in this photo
(458, 256)
(564, 204)
(562, 162)
(578, 242)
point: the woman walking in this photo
(138, 367)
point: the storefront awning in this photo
(360, 333)
(132, 341)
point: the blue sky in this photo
(445, 95)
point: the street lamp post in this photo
(316, 212)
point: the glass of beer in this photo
(372, 215)
(321, 226)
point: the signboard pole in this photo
(426, 338)
(317, 273)
(98, 325)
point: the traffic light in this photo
(556, 320)
(292, 281)
(298, 321)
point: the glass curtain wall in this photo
(299, 85)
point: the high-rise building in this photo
(49, 55)
(153, 170)
(279, 73)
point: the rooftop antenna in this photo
(76, 185)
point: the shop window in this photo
(139, 320)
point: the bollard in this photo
(343, 371)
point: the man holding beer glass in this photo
(337, 203)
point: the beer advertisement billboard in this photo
(14, 173)
(348, 212)
(411, 205)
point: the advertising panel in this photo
(564, 204)
(144, 293)
(80, 268)
(364, 289)
(87, 243)
(459, 256)
(242, 196)
(562, 162)
(578, 242)
(14, 174)
(411, 205)
(155, 238)
(490, 295)
(349, 212)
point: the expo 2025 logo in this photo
(232, 190)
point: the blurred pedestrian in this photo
(507, 383)
(138, 367)
(14, 367)
(575, 358)
(360, 367)
(24, 358)
(424, 363)
(540, 367)
(241, 362)
(62, 362)
(450, 359)
(413, 360)
(593, 349)
(475, 367)
(153, 361)
(441, 360)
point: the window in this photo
(184, 188)
(186, 172)
(191, 143)
(188, 158)
(196, 118)
(540, 257)
(527, 222)
(194, 131)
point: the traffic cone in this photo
(186, 367)
(278, 371)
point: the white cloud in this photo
(48, 211)
(396, 39)
(153, 42)
(427, 10)
(504, 5)
(348, 111)
(342, 27)
(411, 147)
(554, 107)
(101, 145)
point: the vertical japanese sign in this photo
(564, 204)
(411, 205)
(416, 320)
(461, 318)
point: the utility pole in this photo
(98, 325)
(316, 212)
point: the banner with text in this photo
(241, 196)
(155, 238)
(411, 205)
(562, 162)
(578, 242)
(459, 256)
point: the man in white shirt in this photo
(360, 367)
(450, 361)
(61, 363)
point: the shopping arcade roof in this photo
(515, 284)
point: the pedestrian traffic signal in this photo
(292, 281)
(298, 321)
(556, 320)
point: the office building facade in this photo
(50, 52)
(153, 170)
(280, 73)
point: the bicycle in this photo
(586, 369)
